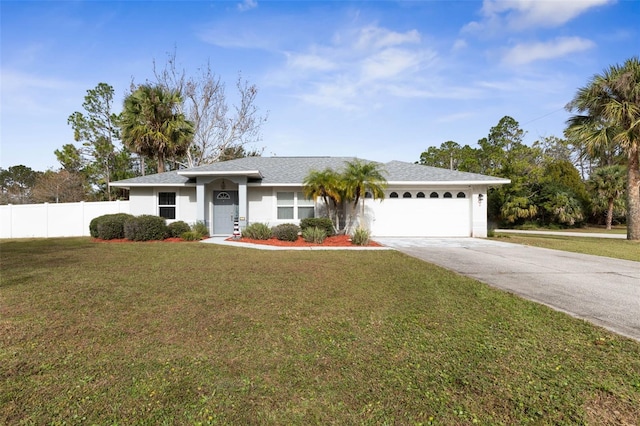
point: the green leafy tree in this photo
(99, 158)
(360, 177)
(16, 184)
(328, 186)
(607, 185)
(610, 103)
(152, 125)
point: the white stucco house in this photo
(419, 200)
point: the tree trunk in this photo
(160, 163)
(633, 194)
(610, 213)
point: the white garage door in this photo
(419, 217)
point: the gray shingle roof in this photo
(293, 170)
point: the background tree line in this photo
(590, 175)
(552, 183)
(179, 120)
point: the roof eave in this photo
(248, 173)
(142, 185)
(451, 182)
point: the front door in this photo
(225, 211)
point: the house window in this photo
(286, 201)
(461, 195)
(447, 195)
(406, 195)
(305, 207)
(420, 195)
(393, 195)
(167, 205)
(433, 195)
(293, 205)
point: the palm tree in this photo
(327, 185)
(361, 177)
(608, 185)
(152, 127)
(613, 100)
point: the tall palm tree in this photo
(327, 185)
(153, 127)
(361, 177)
(608, 185)
(613, 98)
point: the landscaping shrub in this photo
(191, 236)
(318, 222)
(176, 229)
(361, 237)
(201, 230)
(286, 232)
(257, 231)
(314, 235)
(109, 226)
(146, 228)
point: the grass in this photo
(619, 249)
(190, 333)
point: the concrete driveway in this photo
(598, 289)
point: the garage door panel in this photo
(419, 217)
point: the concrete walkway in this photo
(564, 233)
(601, 290)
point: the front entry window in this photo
(167, 205)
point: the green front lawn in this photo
(190, 333)
(608, 247)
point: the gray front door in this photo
(225, 211)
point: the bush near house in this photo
(361, 237)
(257, 231)
(109, 226)
(314, 235)
(146, 228)
(176, 229)
(286, 232)
(200, 229)
(318, 222)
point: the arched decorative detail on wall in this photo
(447, 195)
(406, 195)
(367, 195)
(461, 195)
(223, 196)
(420, 195)
(433, 195)
(393, 195)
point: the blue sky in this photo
(378, 80)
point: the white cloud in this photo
(517, 15)
(459, 44)
(524, 53)
(358, 66)
(374, 37)
(310, 62)
(247, 5)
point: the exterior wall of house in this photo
(261, 202)
(145, 201)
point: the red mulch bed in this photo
(124, 240)
(335, 241)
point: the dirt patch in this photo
(335, 241)
(606, 409)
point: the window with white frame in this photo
(167, 205)
(293, 205)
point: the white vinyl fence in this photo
(54, 220)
